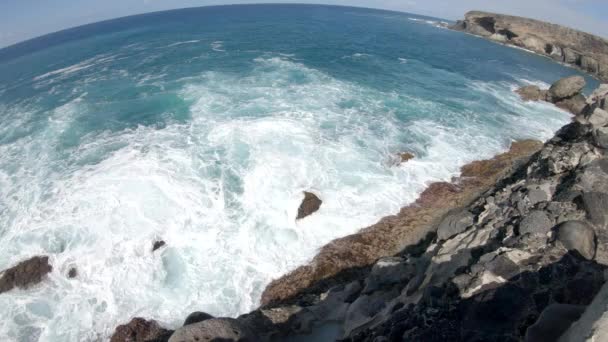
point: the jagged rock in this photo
(140, 330)
(537, 222)
(216, 329)
(600, 137)
(196, 317)
(25, 273)
(310, 205)
(598, 118)
(578, 236)
(363, 310)
(532, 93)
(158, 244)
(566, 88)
(553, 322)
(575, 104)
(593, 177)
(596, 205)
(454, 223)
(388, 271)
(593, 324)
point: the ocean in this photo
(202, 128)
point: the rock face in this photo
(566, 88)
(140, 330)
(578, 49)
(26, 273)
(309, 206)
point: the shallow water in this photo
(202, 127)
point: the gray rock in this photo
(599, 118)
(593, 324)
(575, 104)
(388, 271)
(593, 177)
(567, 87)
(537, 222)
(532, 93)
(600, 137)
(454, 223)
(196, 317)
(363, 310)
(596, 205)
(224, 329)
(578, 236)
(553, 322)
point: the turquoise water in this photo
(202, 127)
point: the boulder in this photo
(600, 137)
(310, 205)
(553, 322)
(216, 329)
(405, 157)
(566, 88)
(532, 93)
(140, 330)
(196, 317)
(388, 271)
(598, 118)
(454, 223)
(25, 273)
(158, 244)
(596, 205)
(578, 236)
(72, 273)
(575, 104)
(537, 222)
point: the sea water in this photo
(203, 127)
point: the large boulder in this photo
(216, 329)
(310, 205)
(566, 88)
(140, 330)
(575, 104)
(578, 236)
(598, 118)
(197, 317)
(26, 273)
(454, 223)
(532, 93)
(537, 222)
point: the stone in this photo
(600, 137)
(578, 236)
(25, 273)
(553, 322)
(310, 205)
(596, 205)
(531, 93)
(196, 317)
(567, 87)
(593, 324)
(388, 271)
(575, 104)
(140, 330)
(158, 244)
(405, 157)
(598, 118)
(215, 329)
(454, 223)
(72, 273)
(537, 222)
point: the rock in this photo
(537, 222)
(72, 273)
(388, 271)
(158, 244)
(598, 118)
(575, 104)
(196, 317)
(140, 330)
(593, 324)
(26, 273)
(310, 205)
(532, 93)
(566, 88)
(454, 223)
(553, 322)
(596, 205)
(362, 310)
(405, 157)
(600, 137)
(599, 97)
(589, 64)
(216, 329)
(577, 236)
(571, 56)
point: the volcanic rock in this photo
(26, 273)
(140, 330)
(310, 205)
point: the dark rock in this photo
(572, 131)
(596, 205)
(578, 236)
(566, 88)
(388, 271)
(454, 223)
(600, 137)
(158, 244)
(532, 93)
(310, 205)
(140, 330)
(215, 329)
(26, 273)
(553, 322)
(405, 157)
(73, 272)
(537, 222)
(196, 317)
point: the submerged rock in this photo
(72, 273)
(532, 93)
(141, 330)
(309, 206)
(26, 273)
(158, 244)
(405, 157)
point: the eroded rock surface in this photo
(25, 273)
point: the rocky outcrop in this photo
(141, 330)
(578, 49)
(309, 206)
(25, 274)
(565, 93)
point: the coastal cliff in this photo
(575, 48)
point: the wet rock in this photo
(454, 223)
(566, 88)
(405, 157)
(72, 273)
(310, 205)
(578, 236)
(537, 222)
(600, 137)
(141, 330)
(596, 205)
(216, 329)
(26, 273)
(158, 244)
(532, 93)
(196, 317)
(553, 322)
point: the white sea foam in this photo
(182, 43)
(222, 190)
(218, 46)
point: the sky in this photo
(24, 19)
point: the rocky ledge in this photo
(579, 49)
(516, 249)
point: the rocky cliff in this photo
(579, 49)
